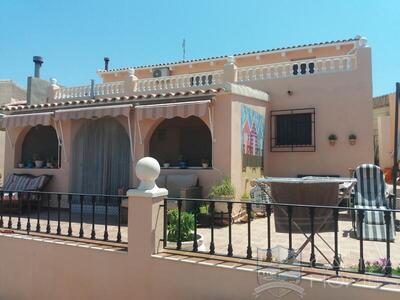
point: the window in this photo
(180, 140)
(293, 130)
(41, 144)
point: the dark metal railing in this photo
(334, 265)
(72, 215)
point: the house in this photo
(266, 112)
(10, 94)
(384, 112)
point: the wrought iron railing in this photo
(269, 208)
(83, 216)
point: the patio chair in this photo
(258, 194)
(370, 193)
(324, 194)
(17, 183)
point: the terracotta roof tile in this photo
(108, 100)
(236, 55)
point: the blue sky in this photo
(74, 36)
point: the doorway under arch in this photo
(101, 158)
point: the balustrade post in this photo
(131, 82)
(230, 70)
(53, 90)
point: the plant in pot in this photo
(20, 165)
(182, 162)
(204, 163)
(38, 161)
(222, 191)
(332, 139)
(352, 139)
(165, 164)
(203, 215)
(186, 229)
(49, 164)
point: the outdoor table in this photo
(319, 191)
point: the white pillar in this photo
(145, 214)
(130, 83)
(230, 70)
(53, 89)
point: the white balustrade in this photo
(209, 79)
(79, 92)
(297, 68)
(183, 81)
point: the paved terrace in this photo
(348, 244)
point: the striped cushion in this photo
(25, 182)
(370, 193)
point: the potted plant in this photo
(332, 139)
(204, 163)
(20, 165)
(186, 228)
(203, 215)
(38, 161)
(222, 191)
(182, 162)
(166, 164)
(49, 164)
(352, 139)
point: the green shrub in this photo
(203, 209)
(332, 137)
(245, 196)
(225, 188)
(187, 226)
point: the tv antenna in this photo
(184, 49)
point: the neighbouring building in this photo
(384, 114)
(10, 94)
(266, 112)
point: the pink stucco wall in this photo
(35, 269)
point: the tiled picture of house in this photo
(252, 138)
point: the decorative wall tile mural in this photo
(252, 138)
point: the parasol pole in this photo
(395, 152)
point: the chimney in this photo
(38, 60)
(106, 61)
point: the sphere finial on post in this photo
(147, 171)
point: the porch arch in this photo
(188, 137)
(40, 143)
(101, 158)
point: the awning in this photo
(171, 110)
(92, 112)
(27, 120)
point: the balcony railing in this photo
(219, 236)
(82, 216)
(80, 92)
(209, 79)
(297, 68)
(205, 79)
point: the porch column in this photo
(145, 214)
